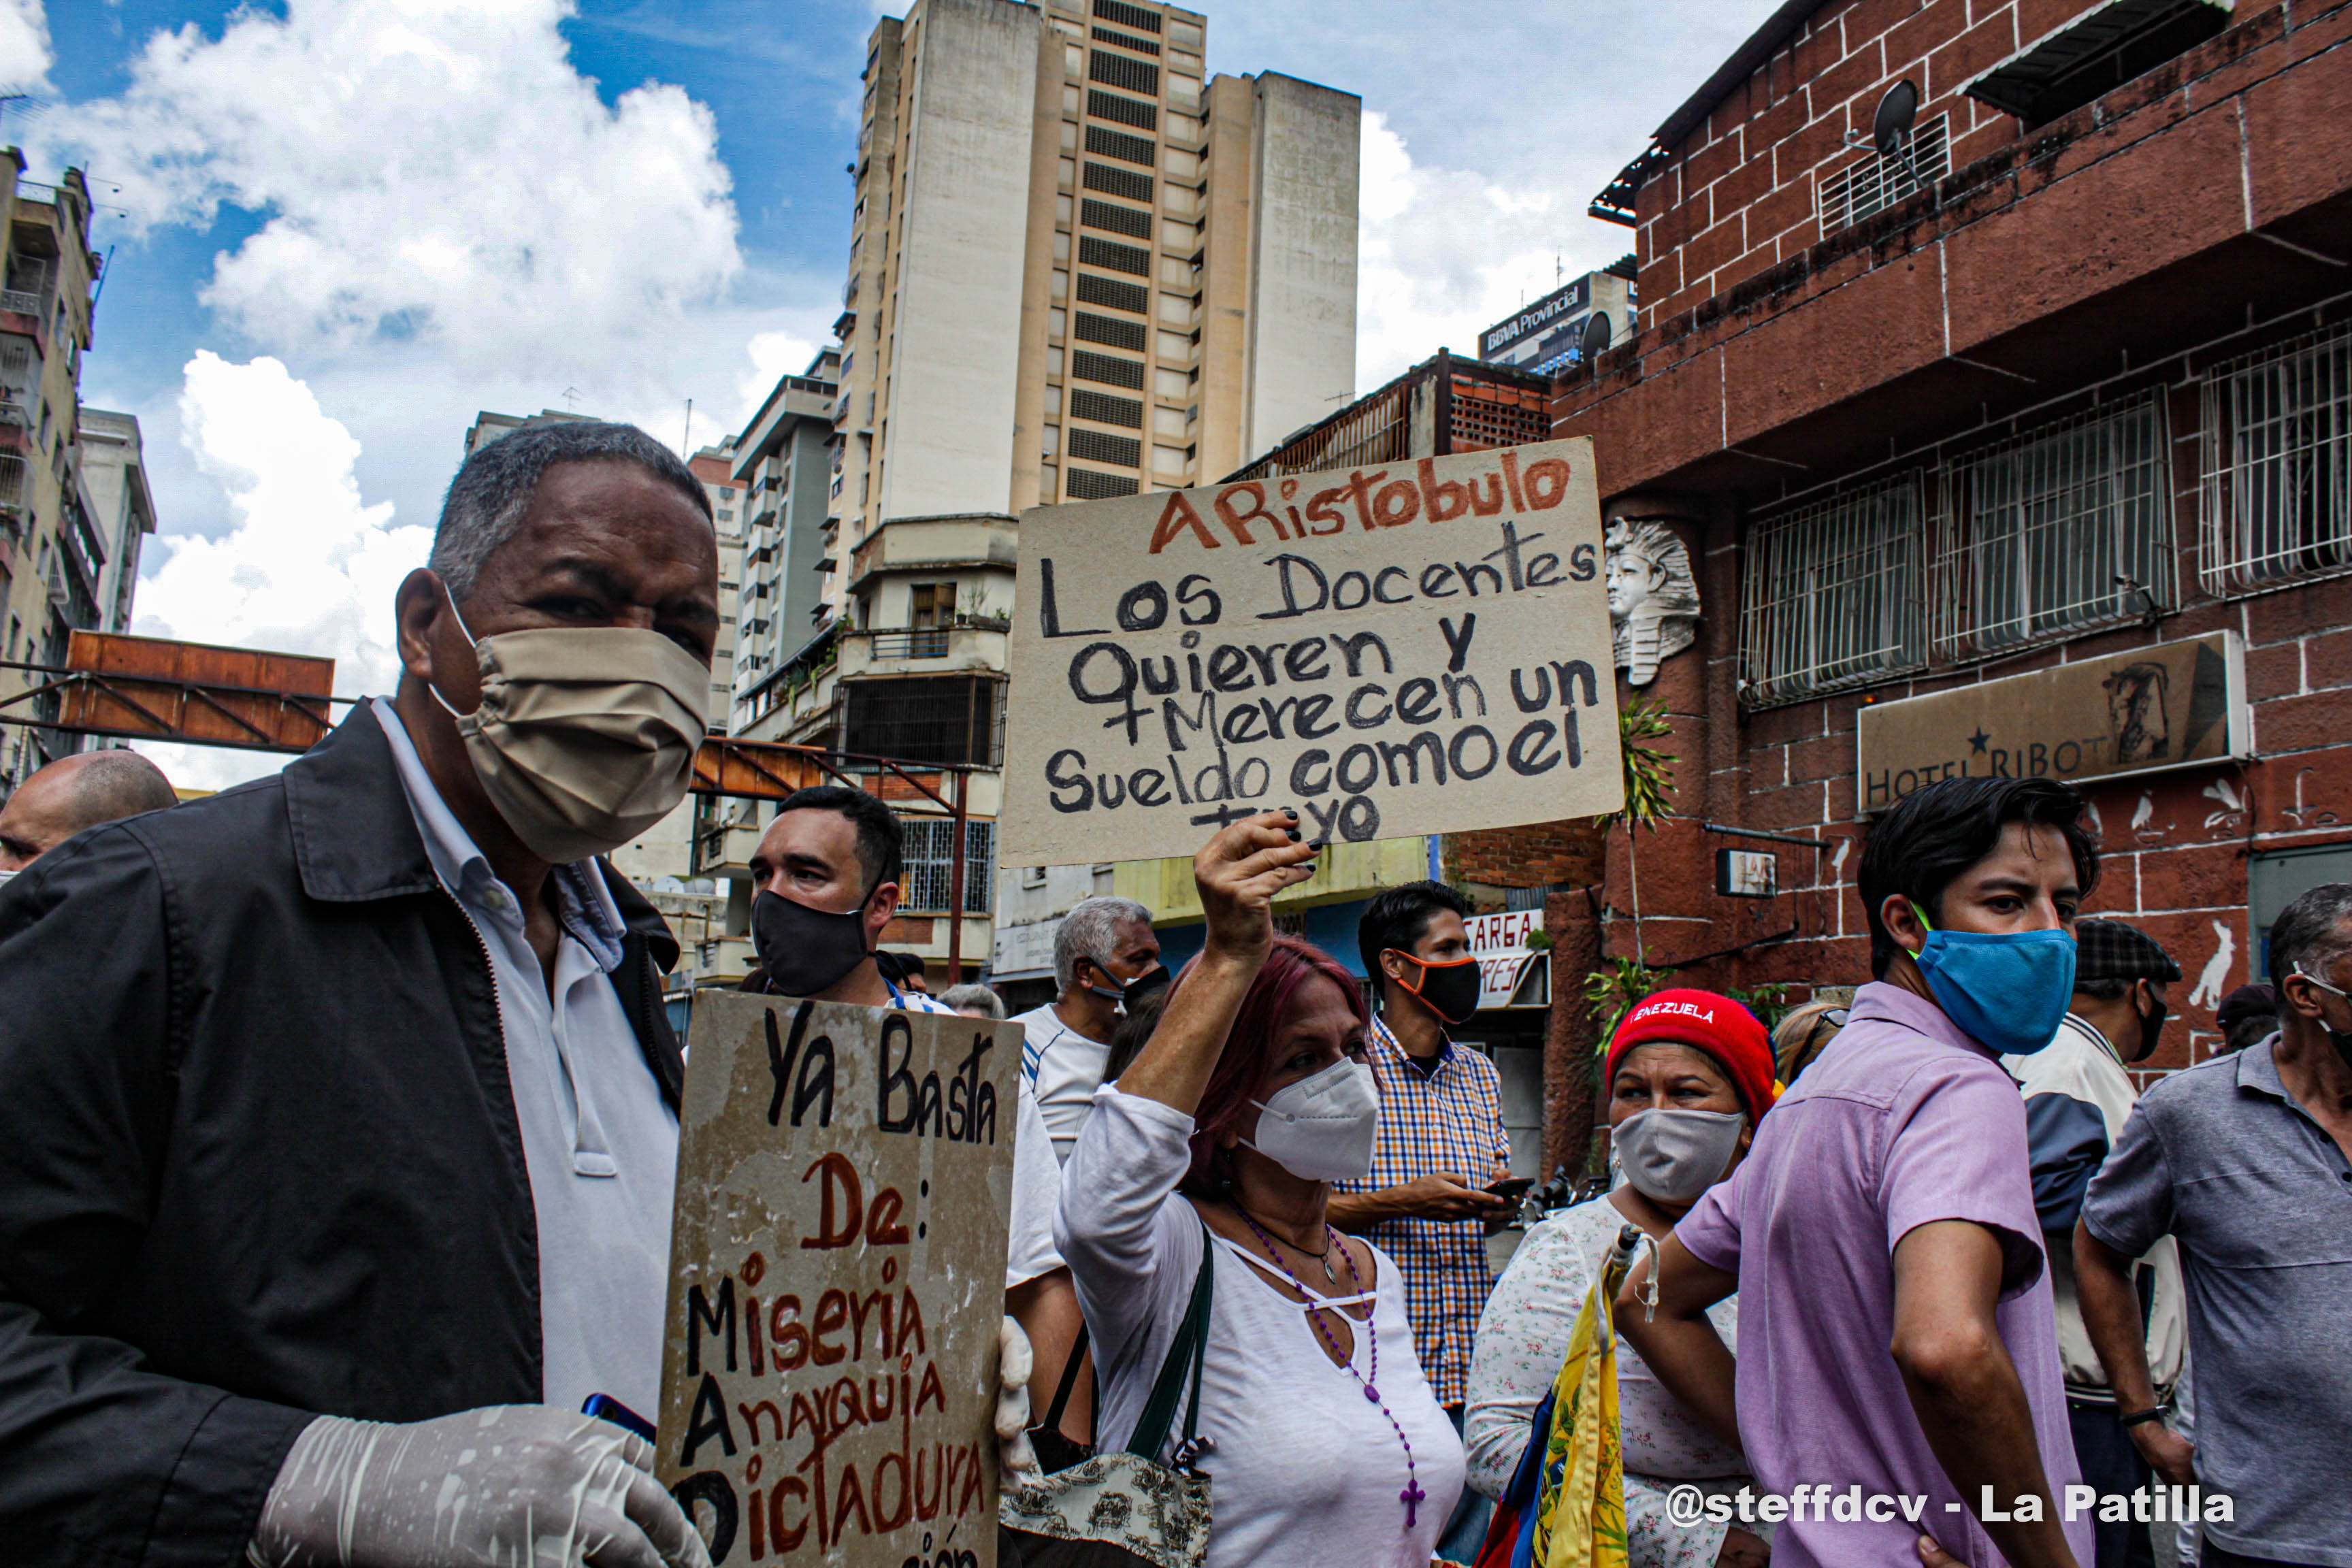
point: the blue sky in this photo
(340, 227)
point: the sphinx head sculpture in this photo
(1652, 595)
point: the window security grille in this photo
(1104, 408)
(1113, 256)
(1113, 182)
(1132, 222)
(1127, 16)
(1125, 41)
(1110, 291)
(1861, 189)
(928, 719)
(1086, 484)
(1100, 446)
(1119, 145)
(930, 864)
(1126, 110)
(2061, 528)
(1834, 594)
(2278, 465)
(1117, 71)
(1110, 331)
(1087, 365)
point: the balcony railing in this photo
(931, 643)
(24, 303)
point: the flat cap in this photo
(2110, 949)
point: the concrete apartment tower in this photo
(1078, 267)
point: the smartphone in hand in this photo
(1510, 1189)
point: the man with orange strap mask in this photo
(1441, 1146)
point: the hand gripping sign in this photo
(836, 1280)
(1409, 647)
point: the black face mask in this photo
(1450, 990)
(805, 951)
(2151, 1030)
(1134, 992)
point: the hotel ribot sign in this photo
(1400, 648)
(2171, 706)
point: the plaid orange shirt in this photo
(1451, 1120)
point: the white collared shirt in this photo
(599, 1141)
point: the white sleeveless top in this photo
(1304, 1471)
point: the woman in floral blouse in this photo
(1688, 1072)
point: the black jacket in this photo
(258, 1156)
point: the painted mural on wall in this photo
(1652, 595)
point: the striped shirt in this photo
(1450, 1119)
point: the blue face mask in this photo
(2009, 990)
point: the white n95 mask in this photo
(585, 736)
(1322, 1128)
(1672, 1155)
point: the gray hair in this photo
(2311, 933)
(975, 996)
(492, 490)
(1091, 931)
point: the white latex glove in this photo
(507, 1486)
(1014, 1361)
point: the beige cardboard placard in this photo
(836, 1279)
(1400, 648)
(2171, 706)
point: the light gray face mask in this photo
(1670, 1156)
(1322, 1128)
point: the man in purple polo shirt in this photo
(1898, 1391)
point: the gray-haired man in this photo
(2246, 1161)
(1104, 951)
(343, 1106)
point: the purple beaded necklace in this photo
(1412, 1497)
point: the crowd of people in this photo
(343, 1130)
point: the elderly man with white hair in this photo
(1106, 955)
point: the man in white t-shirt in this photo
(1104, 948)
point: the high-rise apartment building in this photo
(1079, 266)
(53, 552)
(114, 474)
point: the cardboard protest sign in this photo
(1409, 647)
(837, 1278)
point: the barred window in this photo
(1833, 594)
(1119, 296)
(1127, 16)
(2061, 528)
(928, 718)
(930, 864)
(1119, 145)
(1087, 365)
(1110, 331)
(1104, 408)
(1125, 41)
(1100, 446)
(1113, 182)
(1086, 484)
(1136, 76)
(2278, 463)
(1133, 222)
(1864, 189)
(1126, 110)
(1111, 255)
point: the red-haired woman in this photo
(1321, 1438)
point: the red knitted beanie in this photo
(1706, 1022)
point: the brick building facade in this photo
(2070, 375)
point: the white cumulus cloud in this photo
(308, 567)
(432, 171)
(25, 53)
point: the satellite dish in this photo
(1594, 340)
(1890, 129)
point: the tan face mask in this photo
(585, 737)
